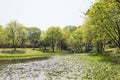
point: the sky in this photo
(44, 13)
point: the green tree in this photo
(87, 31)
(98, 38)
(53, 35)
(3, 37)
(33, 34)
(93, 35)
(1, 33)
(23, 37)
(13, 30)
(105, 14)
(70, 28)
(76, 40)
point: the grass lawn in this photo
(22, 54)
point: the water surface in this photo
(54, 68)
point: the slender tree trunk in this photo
(14, 46)
(53, 48)
(53, 44)
(97, 47)
(86, 47)
(80, 48)
(61, 45)
(33, 45)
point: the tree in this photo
(98, 38)
(93, 35)
(106, 15)
(33, 34)
(23, 36)
(44, 43)
(87, 31)
(62, 41)
(1, 34)
(13, 30)
(76, 40)
(3, 37)
(53, 35)
(70, 28)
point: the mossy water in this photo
(65, 67)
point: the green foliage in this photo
(53, 36)
(101, 27)
(33, 35)
(76, 39)
(105, 14)
(1, 35)
(70, 28)
(13, 30)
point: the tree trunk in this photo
(14, 48)
(33, 45)
(99, 47)
(53, 45)
(86, 47)
(53, 48)
(80, 48)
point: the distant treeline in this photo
(101, 30)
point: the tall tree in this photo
(106, 15)
(13, 32)
(3, 37)
(1, 34)
(33, 34)
(76, 40)
(93, 35)
(53, 35)
(23, 37)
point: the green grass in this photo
(17, 56)
(100, 66)
(22, 56)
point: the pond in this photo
(54, 68)
(67, 67)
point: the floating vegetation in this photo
(68, 67)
